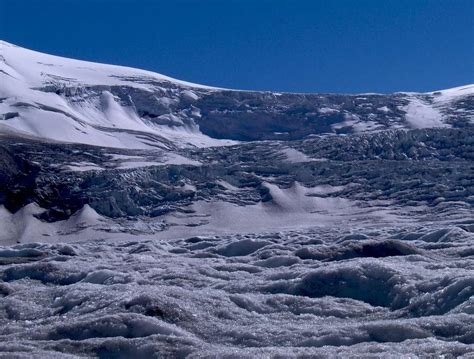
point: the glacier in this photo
(144, 216)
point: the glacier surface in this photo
(147, 217)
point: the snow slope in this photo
(419, 114)
(36, 68)
(31, 102)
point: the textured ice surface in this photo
(326, 292)
(133, 225)
(248, 254)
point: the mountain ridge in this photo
(193, 84)
(115, 106)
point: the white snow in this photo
(82, 117)
(190, 95)
(227, 185)
(295, 207)
(120, 161)
(365, 126)
(175, 159)
(103, 120)
(327, 110)
(384, 109)
(452, 93)
(420, 114)
(37, 67)
(358, 124)
(325, 189)
(24, 226)
(82, 167)
(170, 159)
(294, 156)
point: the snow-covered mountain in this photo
(146, 217)
(81, 102)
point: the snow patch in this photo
(294, 156)
(420, 114)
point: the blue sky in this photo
(282, 45)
